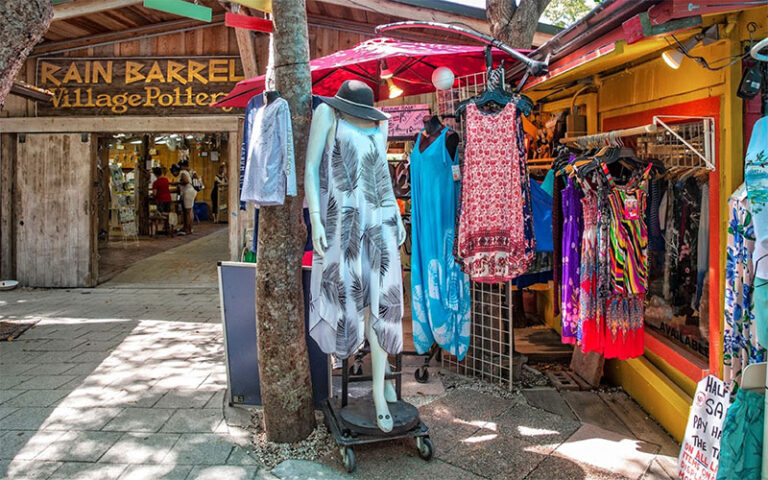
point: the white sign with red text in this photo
(700, 451)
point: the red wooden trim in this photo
(679, 359)
(566, 67)
(249, 23)
(706, 107)
(689, 8)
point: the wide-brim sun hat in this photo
(355, 98)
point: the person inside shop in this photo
(161, 189)
(187, 194)
(219, 179)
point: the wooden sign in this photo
(137, 86)
(249, 23)
(406, 120)
(700, 452)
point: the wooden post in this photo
(7, 210)
(286, 388)
(142, 187)
(234, 214)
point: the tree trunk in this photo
(515, 26)
(286, 387)
(23, 24)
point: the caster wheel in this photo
(426, 448)
(356, 369)
(348, 459)
(422, 374)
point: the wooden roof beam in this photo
(245, 44)
(78, 8)
(412, 12)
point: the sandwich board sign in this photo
(700, 450)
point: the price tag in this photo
(456, 172)
(631, 208)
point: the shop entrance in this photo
(141, 200)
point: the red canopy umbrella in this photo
(410, 63)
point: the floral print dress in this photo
(590, 311)
(571, 248)
(495, 238)
(740, 347)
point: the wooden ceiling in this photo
(82, 24)
(135, 21)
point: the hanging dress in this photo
(756, 181)
(571, 247)
(740, 347)
(624, 333)
(361, 266)
(495, 227)
(439, 289)
(590, 312)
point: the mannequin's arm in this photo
(322, 124)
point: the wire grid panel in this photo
(690, 144)
(466, 86)
(491, 344)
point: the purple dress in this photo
(572, 230)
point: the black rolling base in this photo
(355, 424)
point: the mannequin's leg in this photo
(389, 388)
(378, 366)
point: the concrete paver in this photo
(88, 471)
(230, 472)
(149, 420)
(25, 444)
(628, 457)
(193, 420)
(141, 448)
(28, 470)
(150, 472)
(200, 449)
(79, 446)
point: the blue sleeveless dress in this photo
(440, 298)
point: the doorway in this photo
(139, 210)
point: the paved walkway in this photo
(126, 381)
(191, 264)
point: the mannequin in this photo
(432, 127)
(321, 140)
(270, 96)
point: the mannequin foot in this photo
(389, 392)
(384, 420)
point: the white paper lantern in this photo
(442, 78)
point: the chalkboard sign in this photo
(406, 120)
(700, 452)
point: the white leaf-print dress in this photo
(361, 266)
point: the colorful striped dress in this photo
(628, 261)
(629, 237)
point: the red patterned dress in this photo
(492, 226)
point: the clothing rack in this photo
(602, 138)
(678, 141)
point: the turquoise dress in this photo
(439, 289)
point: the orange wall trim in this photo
(678, 359)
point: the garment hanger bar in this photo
(602, 137)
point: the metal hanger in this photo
(756, 264)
